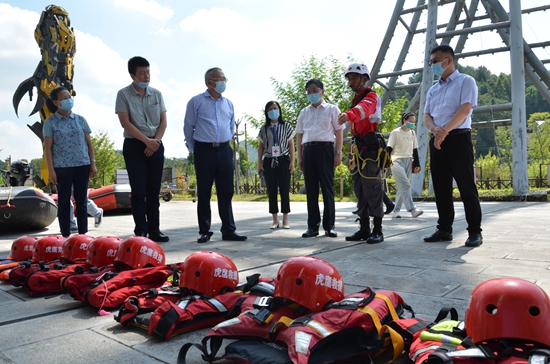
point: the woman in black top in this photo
(276, 148)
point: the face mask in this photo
(314, 98)
(410, 125)
(220, 87)
(142, 84)
(273, 114)
(67, 104)
(438, 69)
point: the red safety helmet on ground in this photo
(22, 248)
(102, 250)
(48, 248)
(508, 308)
(209, 273)
(76, 247)
(139, 252)
(310, 282)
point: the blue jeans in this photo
(145, 175)
(67, 179)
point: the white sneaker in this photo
(416, 212)
(98, 218)
(396, 215)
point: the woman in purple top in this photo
(70, 158)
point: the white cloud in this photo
(147, 7)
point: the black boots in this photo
(377, 236)
(364, 230)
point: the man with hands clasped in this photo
(319, 140)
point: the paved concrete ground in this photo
(428, 276)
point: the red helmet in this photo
(508, 308)
(76, 247)
(48, 248)
(22, 248)
(310, 282)
(140, 252)
(102, 251)
(208, 273)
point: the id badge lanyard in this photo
(275, 150)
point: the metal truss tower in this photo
(522, 60)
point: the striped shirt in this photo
(284, 134)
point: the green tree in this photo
(106, 160)
(538, 135)
(35, 166)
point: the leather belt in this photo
(309, 144)
(458, 131)
(212, 145)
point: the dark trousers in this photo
(278, 178)
(455, 160)
(369, 191)
(145, 175)
(214, 164)
(318, 167)
(68, 179)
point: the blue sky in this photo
(252, 40)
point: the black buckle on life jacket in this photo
(263, 316)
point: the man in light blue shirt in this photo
(208, 127)
(447, 116)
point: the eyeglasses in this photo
(434, 61)
(220, 79)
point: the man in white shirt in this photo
(319, 148)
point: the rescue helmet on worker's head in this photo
(310, 282)
(358, 68)
(48, 248)
(102, 251)
(22, 248)
(508, 308)
(139, 252)
(76, 247)
(209, 273)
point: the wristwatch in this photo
(337, 152)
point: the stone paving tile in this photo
(413, 285)
(50, 326)
(80, 347)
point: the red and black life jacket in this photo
(254, 324)
(197, 311)
(498, 351)
(47, 281)
(112, 291)
(350, 328)
(19, 274)
(6, 266)
(79, 282)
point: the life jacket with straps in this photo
(19, 274)
(254, 324)
(47, 280)
(111, 291)
(6, 265)
(498, 351)
(195, 311)
(79, 282)
(440, 336)
(350, 328)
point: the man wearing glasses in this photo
(447, 115)
(208, 127)
(319, 147)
